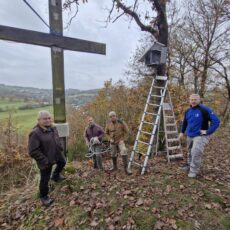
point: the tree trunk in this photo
(203, 82)
(195, 81)
(226, 112)
(163, 34)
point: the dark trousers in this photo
(45, 177)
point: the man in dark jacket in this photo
(198, 130)
(93, 135)
(45, 147)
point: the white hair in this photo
(195, 95)
(112, 113)
(43, 113)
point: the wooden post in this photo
(57, 57)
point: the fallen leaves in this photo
(139, 202)
(115, 201)
(208, 206)
(159, 225)
(58, 222)
(93, 223)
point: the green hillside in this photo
(22, 119)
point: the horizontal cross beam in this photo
(49, 40)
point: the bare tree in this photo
(222, 68)
(208, 30)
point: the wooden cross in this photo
(57, 42)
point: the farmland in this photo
(23, 119)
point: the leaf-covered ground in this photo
(162, 199)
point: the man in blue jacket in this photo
(198, 124)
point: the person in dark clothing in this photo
(93, 136)
(198, 124)
(45, 147)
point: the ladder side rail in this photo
(170, 100)
(158, 130)
(149, 147)
(157, 141)
(140, 126)
(166, 137)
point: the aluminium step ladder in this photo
(172, 140)
(149, 125)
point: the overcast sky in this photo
(27, 65)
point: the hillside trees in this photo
(201, 39)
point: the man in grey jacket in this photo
(45, 147)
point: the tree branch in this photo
(135, 16)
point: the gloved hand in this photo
(111, 141)
(203, 132)
(182, 136)
(95, 140)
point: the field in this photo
(23, 119)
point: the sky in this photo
(29, 65)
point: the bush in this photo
(15, 163)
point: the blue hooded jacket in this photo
(198, 118)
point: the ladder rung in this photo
(145, 143)
(154, 104)
(167, 109)
(154, 114)
(158, 87)
(135, 163)
(149, 123)
(171, 124)
(143, 154)
(174, 147)
(146, 132)
(167, 106)
(174, 156)
(161, 78)
(171, 132)
(154, 95)
(173, 139)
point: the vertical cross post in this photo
(57, 58)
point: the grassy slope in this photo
(23, 119)
(162, 199)
(10, 104)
